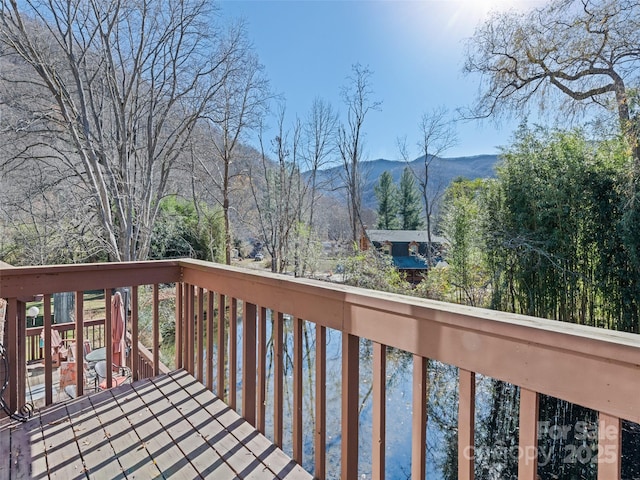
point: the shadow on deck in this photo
(168, 426)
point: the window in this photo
(413, 249)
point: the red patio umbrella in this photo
(117, 328)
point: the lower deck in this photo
(168, 426)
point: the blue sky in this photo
(414, 48)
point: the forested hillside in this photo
(443, 172)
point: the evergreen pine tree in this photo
(409, 207)
(387, 195)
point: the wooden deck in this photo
(168, 426)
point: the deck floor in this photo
(170, 426)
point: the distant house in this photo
(408, 249)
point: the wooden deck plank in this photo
(5, 446)
(22, 451)
(171, 426)
(98, 456)
(61, 450)
(236, 455)
(16, 458)
(266, 452)
(132, 453)
(159, 444)
(31, 438)
(242, 433)
(200, 450)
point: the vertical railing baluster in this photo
(320, 437)
(221, 345)
(466, 423)
(262, 370)
(278, 373)
(249, 363)
(190, 320)
(48, 364)
(15, 392)
(21, 353)
(200, 335)
(108, 326)
(379, 411)
(80, 346)
(609, 447)
(419, 418)
(233, 352)
(297, 389)
(178, 324)
(155, 312)
(528, 435)
(210, 328)
(350, 404)
(135, 334)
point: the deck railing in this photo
(597, 369)
(93, 333)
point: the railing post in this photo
(278, 372)
(135, 356)
(155, 312)
(609, 447)
(48, 364)
(350, 404)
(297, 389)
(15, 318)
(320, 440)
(466, 423)
(200, 335)
(528, 435)
(190, 328)
(419, 418)
(21, 353)
(379, 410)
(178, 325)
(210, 328)
(79, 353)
(221, 345)
(233, 352)
(249, 363)
(262, 370)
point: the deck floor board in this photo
(169, 426)
(131, 453)
(273, 459)
(200, 452)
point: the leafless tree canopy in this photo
(588, 51)
(121, 87)
(357, 96)
(278, 193)
(239, 106)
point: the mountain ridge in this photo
(442, 171)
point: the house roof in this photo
(419, 236)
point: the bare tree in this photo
(437, 135)
(127, 83)
(239, 106)
(584, 51)
(44, 222)
(357, 98)
(319, 133)
(275, 190)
